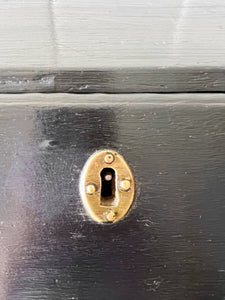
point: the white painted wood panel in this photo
(92, 34)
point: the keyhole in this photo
(108, 188)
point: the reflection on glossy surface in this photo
(172, 242)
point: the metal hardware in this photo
(109, 158)
(90, 189)
(125, 185)
(111, 216)
(107, 186)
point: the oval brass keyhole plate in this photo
(107, 186)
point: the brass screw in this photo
(91, 189)
(109, 158)
(125, 185)
(110, 216)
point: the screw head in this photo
(91, 188)
(109, 158)
(108, 176)
(124, 184)
(110, 216)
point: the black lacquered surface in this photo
(170, 246)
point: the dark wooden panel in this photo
(170, 246)
(112, 81)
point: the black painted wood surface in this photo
(114, 80)
(172, 243)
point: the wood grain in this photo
(170, 246)
(169, 80)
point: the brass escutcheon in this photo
(107, 186)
